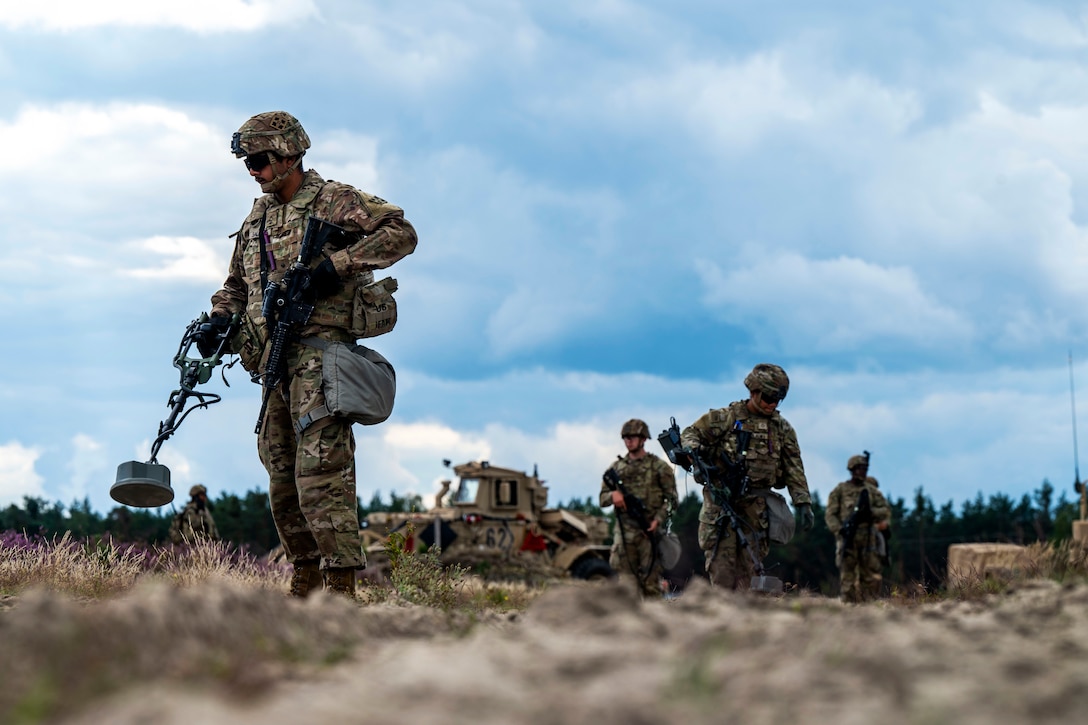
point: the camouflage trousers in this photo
(311, 488)
(860, 576)
(730, 565)
(633, 557)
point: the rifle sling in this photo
(265, 262)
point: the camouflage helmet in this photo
(857, 461)
(635, 427)
(275, 131)
(769, 380)
(197, 489)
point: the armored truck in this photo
(488, 517)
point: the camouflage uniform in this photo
(312, 490)
(654, 482)
(774, 461)
(195, 520)
(860, 564)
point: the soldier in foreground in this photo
(195, 521)
(642, 487)
(310, 462)
(773, 461)
(857, 514)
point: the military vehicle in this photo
(496, 519)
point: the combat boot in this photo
(305, 578)
(341, 581)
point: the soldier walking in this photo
(773, 461)
(641, 516)
(857, 514)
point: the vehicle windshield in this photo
(466, 490)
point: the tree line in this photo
(920, 533)
(245, 520)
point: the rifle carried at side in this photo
(288, 304)
(727, 481)
(862, 515)
(666, 546)
(634, 506)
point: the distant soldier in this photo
(773, 461)
(195, 521)
(652, 481)
(857, 514)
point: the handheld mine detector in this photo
(727, 482)
(147, 485)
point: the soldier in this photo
(311, 474)
(653, 482)
(195, 521)
(859, 560)
(773, 461)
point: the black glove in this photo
(807, 519)
(208, 335)
(324, 280)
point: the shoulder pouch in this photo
(359, 384)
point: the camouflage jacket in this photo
(193, 523)
(843, 498)
(386, 238)
(651, 479)
(774, 457)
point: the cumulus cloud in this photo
(18, 477)
(181, 258)
(138, 156)
(87, 464)
(407, 458)
(201, 16)
(830, 304)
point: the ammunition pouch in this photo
(248, 344)
(374, 311)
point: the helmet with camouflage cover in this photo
(197, 489)
(635, 427)
(769, 380)
(857, 461)
(275, 131)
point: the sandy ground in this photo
(595, 654)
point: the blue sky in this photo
(622, 207)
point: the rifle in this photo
(861, 515)
(288, 304)
(727, 481)
(634, 506)
(636, 509)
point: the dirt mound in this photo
(594, 654)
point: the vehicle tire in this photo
(591, 568)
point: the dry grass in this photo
(82, 620)
(69, 566)
(1065, 562)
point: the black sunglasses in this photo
(256, 162)
(769, 398)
